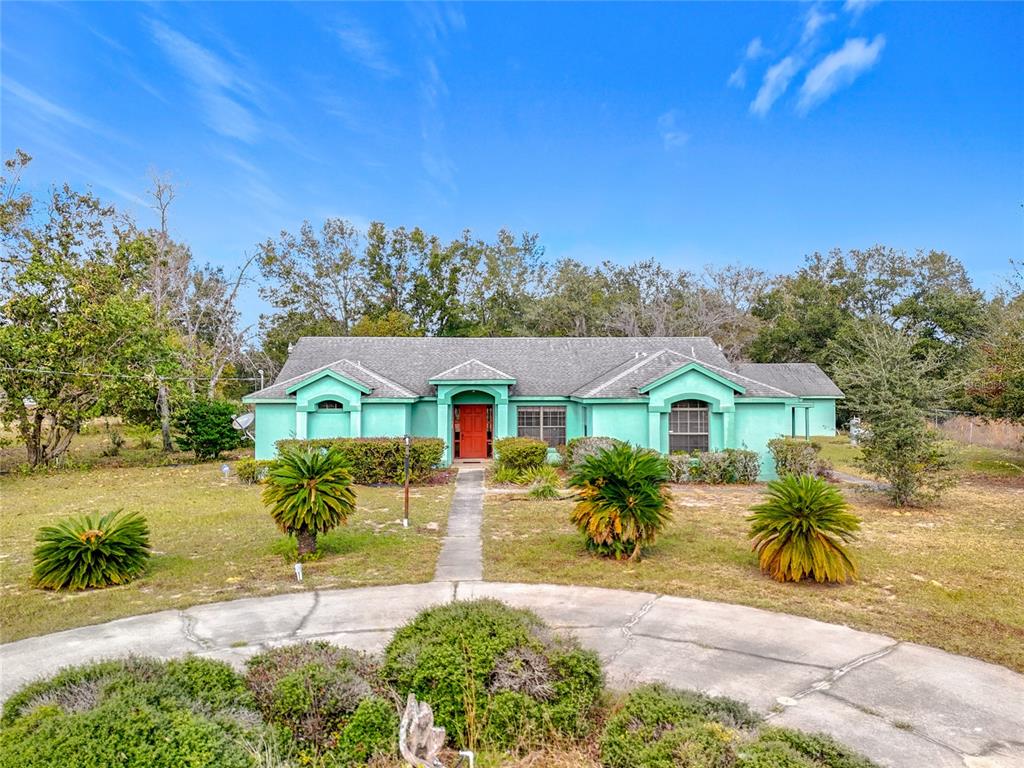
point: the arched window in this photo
(688, 426)
(329, 405)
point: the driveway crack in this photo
(188, 629)
(829, 680)
(308, 615)
(627, 628)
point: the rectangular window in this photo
(545, 423)
(688, 426)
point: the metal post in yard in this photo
(408, 443)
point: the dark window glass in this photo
(688, 426)
(545, 423)
(329, 405)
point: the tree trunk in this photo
(307, 542)
(165, 416)
(636, 552)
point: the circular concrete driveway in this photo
(898, 703)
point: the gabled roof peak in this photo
(472, 369)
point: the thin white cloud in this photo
(776, 81)
(221, 89)
(738, 78)
(48, 111)
(672, 136)
(363, 46)
(755, 49)
(815, 20)
(838, 70)
(856, 7)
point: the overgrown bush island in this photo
(794, 456)
(495, 676)
(380, 460)
(205, 427)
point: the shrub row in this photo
(794, 456)
(380, 460)
(520, 453)
(716, 467)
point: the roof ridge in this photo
(379, 377)
(472, 360)
(645, 359)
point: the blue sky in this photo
(693, 133)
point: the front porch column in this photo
(654, 431)
(355, 423)
(501, 419)
(300, 425)
(444, 425)
(728, 429)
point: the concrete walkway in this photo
(461, 557)
(902, 705)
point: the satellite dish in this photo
(243, 422)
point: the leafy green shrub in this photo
(145, 441)
(657, 727)
(724, 467)
(115, 442)
(252, 471)
(507, 475)
(579, 448)
(819, 749)
(795, 456)
(543, 482)
(91, 552)
(520, 453)
(621, 500)
(494, 676)
(380, 460)
(326, 697)
(309, 492)
(133, 713)
(799, 531)
(204, 427)
(679, 465)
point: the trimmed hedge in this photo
(579, 448)
(520, 453)
(380, 460)
(796, 456)
(716, 467)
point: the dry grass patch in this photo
(950, 577)
(212, 538)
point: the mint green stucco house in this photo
(666, 393)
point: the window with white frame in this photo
(688, 426)
(545, 423)
(329, 405)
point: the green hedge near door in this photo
(380, 460)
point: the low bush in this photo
(115, 442)
(506, 475)
(661, 727)
(328, 698)
(252, 471)
(579, 448)
(134, 713)
(795, 456)
(801, 529)
(494, 676)
(543, 482)
(381, 460)
(718, 467)
(91, 552)
(621, 500)
(205, 427)
(520, 453)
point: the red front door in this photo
(473, 431)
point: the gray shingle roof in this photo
(626, 379)
(472, 369)
(402, 367)
(803, 379)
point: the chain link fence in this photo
(971, 429)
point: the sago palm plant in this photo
(309, 492)
(91, 552)
(801, 529)
(621, 500)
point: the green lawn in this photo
(951, 577)
(212, 540)
(971, 460)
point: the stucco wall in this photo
(384, 419)
(324, 424)
(823, 417)
(625, 421)
(274, 421)
(756, 424)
